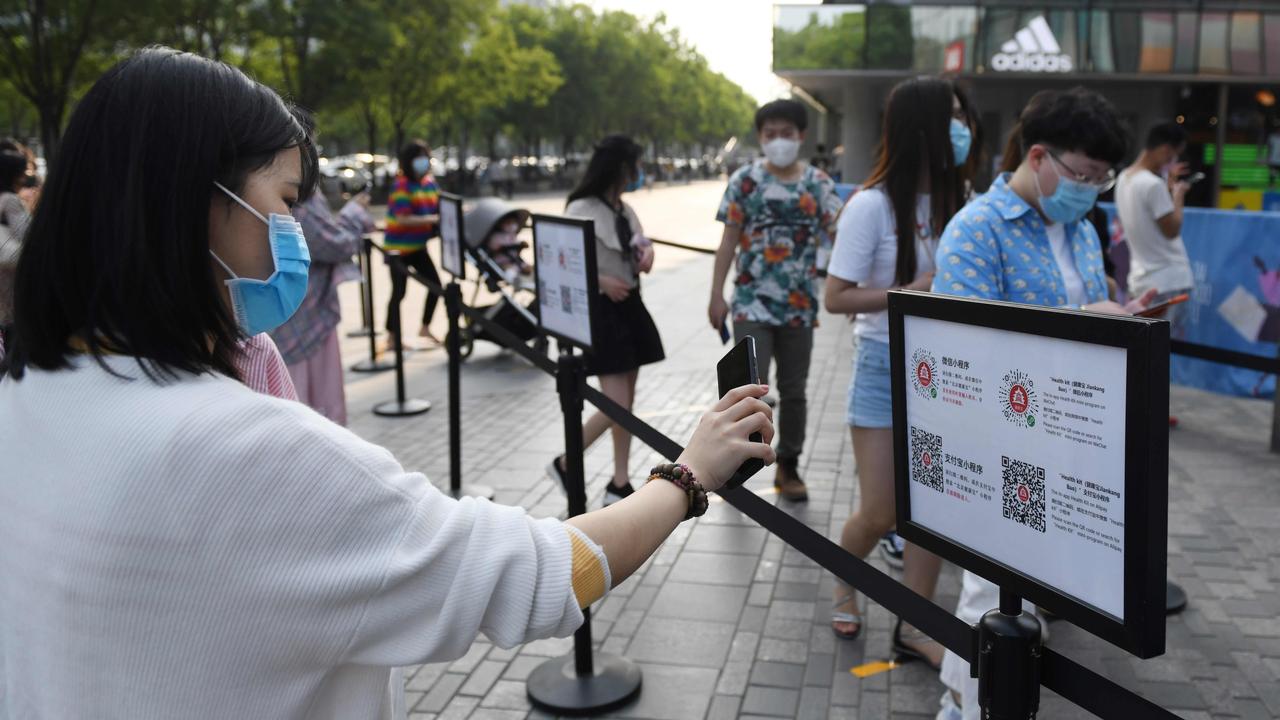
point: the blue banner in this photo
(1235, 305)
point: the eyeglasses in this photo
(1101, 185)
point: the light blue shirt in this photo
(997, 248)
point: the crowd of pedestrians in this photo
(179, 313)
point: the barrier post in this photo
(366, 317)
(453, 343)
(372, 364)
(401, 406)
(579, 684)
(1008, 665)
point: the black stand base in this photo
(1175, 598)
(480, 491)
(554, 685)
(372, 366)
(360, 332)
(398, 408)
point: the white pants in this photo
(977, 597)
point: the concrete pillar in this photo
(860, 129)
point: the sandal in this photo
(845, 617)
(904, 653)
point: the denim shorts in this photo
(870, 400)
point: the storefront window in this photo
(1100, 54)
(944, 38)
(1063, 25)
(1246, 42)
(1271, 31)
(1125, 34)
(1213, 43)
(1157, 43)
(808, 37)
(889, 42)
(1184, 54)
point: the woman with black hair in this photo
(413, 212)
(15, 175)
(885, 239)
(187, 547)
(622, 331)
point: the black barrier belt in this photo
(1073, 681)
(682, 246)
(1248, 361)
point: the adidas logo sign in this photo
(1032, 49)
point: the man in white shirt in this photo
(1150, 208)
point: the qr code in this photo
(1023, 492)
(926, 458)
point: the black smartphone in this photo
(737, 368)
(724, 332)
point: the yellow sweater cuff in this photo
(590, 575)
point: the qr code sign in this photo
(926, 458)
(1023, 492)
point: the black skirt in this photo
(623, 336)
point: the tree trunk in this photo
(50, 129)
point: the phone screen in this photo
(735, 369)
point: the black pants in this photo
(421, 262)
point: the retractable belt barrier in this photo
(1073, 681)
(1248, 361)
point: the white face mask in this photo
(781, 152)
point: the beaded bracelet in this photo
(682, 477)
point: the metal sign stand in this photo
(1008, 667)
(401, 406)
(580, 684)
(453, 307)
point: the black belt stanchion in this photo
(1008, 667)
(372, 364)
(453, 307)
(580, 684)
(401, 406)
(366, 306)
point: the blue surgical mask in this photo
(637, 183)
(961, 139)
(263, 305)
(1070, 201)
(421, 166)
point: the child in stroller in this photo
(491, 231)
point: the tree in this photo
(41, 46)
(819, 46)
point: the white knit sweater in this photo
(198, 550)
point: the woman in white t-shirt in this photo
(187, 547)
(918, 183)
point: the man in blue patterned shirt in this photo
(1026, 240)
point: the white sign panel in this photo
(1016, 447)
(450, 236)
(563, 291)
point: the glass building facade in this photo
(1213, 65)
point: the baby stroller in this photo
(491, 229)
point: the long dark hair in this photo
(916, 137)
(117, 253)
(612, 163)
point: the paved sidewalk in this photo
(726, 621)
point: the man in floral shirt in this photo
(776, 212)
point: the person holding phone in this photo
(309, 339)
(1026, 240)
(624, 336)
(1150, 196)
(886, 237)
(188, 547)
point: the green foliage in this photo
(818, 46)
(889, 40)
(377, 71)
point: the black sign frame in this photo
(459, 262)
(1146, 473)
(588, 229)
